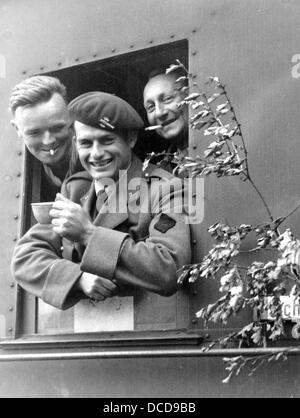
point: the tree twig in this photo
(261, 198)
(291, 213)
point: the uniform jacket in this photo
(137, 249)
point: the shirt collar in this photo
(55, 180)
(100, 184)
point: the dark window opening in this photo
(124, 75)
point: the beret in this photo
(105, 111)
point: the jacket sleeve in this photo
(38, 264)
(39, 269)
(150, 264)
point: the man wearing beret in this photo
(92, 249)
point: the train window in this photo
(125, 76)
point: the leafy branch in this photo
(259, 286)
(234, 365)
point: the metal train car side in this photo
(110, 45)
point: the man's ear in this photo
(132, 138)
(13, 123)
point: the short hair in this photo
(34, 90)
(179, 72)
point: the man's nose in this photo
(97, 150)
(48, 138)
(160, 110)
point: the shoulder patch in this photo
(164, 223)
(154, 171)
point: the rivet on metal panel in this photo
(95, 55)
(24, 72)
(16, 217)
(131, 46)
(19, 153)
(10, 329)
(194, 195)
(15, 239)
(194, 321)
(195, 31)
(172, 36)
(59, 64)
(195, 293)
(17, 195)
(19, 174)
(12, 285)
(194, 53)
(194, 146)
(42, 68)
(76, 59)
(151, 42)
(113, 50)
(194, 242)
(10, 308)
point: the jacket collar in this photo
(119, 197)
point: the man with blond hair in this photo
(41, 119)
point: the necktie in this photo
(101, 199)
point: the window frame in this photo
(26, 317)
(26, 321)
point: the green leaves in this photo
(289, 258)
(262, 284)
(258, 281)
(226, 155)
(235, 365)
(267, 234)
(220, 231)
(214, 149)
(174, 67)
(192, 97)
(217, 312)
(221, 161)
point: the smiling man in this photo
(88, 251)
(162, 96)
(40, 116)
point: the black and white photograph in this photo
(150, 205)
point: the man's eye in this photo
(33, 133)
(58, 129)
(168, 99)
(108, 140)
(149, 108)
(84, 143)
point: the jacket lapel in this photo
(88, 200)
(119, 199)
